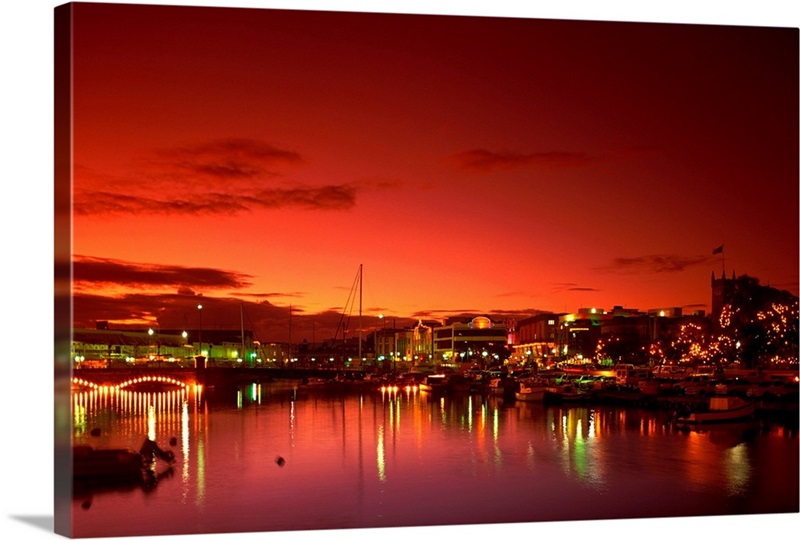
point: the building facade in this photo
(478, 341)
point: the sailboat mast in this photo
(290, 332)
(360, 298)
(241, 315)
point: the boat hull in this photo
(722, 410)
(533, 394)
(90, 465)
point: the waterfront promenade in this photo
(332, 381)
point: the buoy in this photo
(95, 432)
(280, 461)
(173, 441)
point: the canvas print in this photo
(323, 270)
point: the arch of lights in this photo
(77, 381)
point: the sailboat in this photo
(358, 282)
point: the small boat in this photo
(566, 393)
(721, 409)
(530, 390)
(458, 384)
(117, 466)
(109, 465)
(434, 383)
(496, 386)
(314, 381)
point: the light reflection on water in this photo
(397, 458)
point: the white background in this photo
(26, 306)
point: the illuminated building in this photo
(101, 346)
(744, 292)
(477, 341)
(536, 338)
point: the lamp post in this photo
(383, 336)
(200, 330)
(394, 341)
(150, 333)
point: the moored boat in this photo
(120, 465)
(721, 409)
(496, 386)
(458, 384)
(566, 393)
(530, 390)
(434, 383)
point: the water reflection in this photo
(399, 457)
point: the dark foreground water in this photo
(401, 458)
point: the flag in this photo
(717, 250)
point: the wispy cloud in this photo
(94, 271)
(482, 160)
(211, 178)
(331, 197)
(229, 158)
(647, 264)
(572, 287)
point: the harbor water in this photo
(282, 457)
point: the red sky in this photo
(471, 164)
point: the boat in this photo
(566, 393)
(530, 390)
(434, 383)
(495, 386)
(118, 467)
(458, 384)
(721, 409)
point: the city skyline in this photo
(472, 165)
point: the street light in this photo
(200, 329)
(383, 335)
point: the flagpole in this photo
(718, 250)
(722, 249)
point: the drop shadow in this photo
(46, 523)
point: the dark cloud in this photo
(653, 264)
(340, 197)
(515, 314)
(231, 158)
(98, 271)
(482, 160)
(332, 197)
(211, 178)
(573, 287)
(265, 296)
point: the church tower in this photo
(722, 291)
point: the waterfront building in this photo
(745, 293)
(536, 339)
(760, 321)
(105, 347)
(405, 347)
(102, 347)
(578, 337)
(475, 341)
